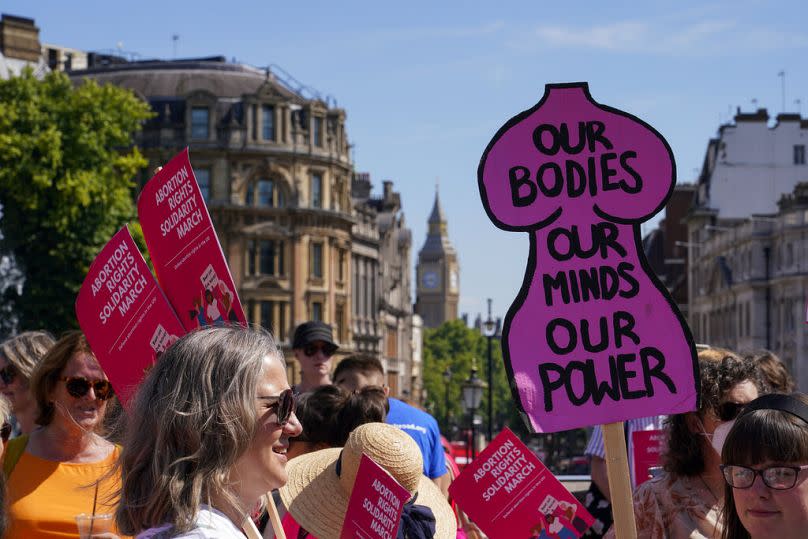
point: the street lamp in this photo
(472, 395)
(447, 377)
(489, 328)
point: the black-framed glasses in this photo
(775, 477)
(8, 374)
(78, 386)
(286, 404)
(326, 349)
(727, 411)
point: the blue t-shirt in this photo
(423, 428)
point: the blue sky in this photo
(427, 84)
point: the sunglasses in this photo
(727, 411)
(78, 386)
(285, 404)
(311, 349)
(8, 374)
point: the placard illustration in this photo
(593, 336)
(185, 249)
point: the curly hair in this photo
(720, 370)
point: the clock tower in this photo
(437, 273)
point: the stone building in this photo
(746, 245)
(438, 273)
(382, 317)
(20, 47)
(303, 237)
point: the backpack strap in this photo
(14, 450)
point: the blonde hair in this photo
(192, 418)
(26, 350)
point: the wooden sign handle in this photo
(614, 440)
(274, 518)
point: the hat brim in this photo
(315, 499)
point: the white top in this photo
(210, 524)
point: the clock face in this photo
(429, 279)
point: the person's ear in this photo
(386, 389)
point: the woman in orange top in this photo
(62, 468)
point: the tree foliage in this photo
(459, 347)
(67, 164)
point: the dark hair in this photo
(329, 413)
(774, 372)
(359, 362)
(720, 370)
(778, 437)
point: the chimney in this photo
(19, 38)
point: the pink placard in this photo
(124, 314)
(648, 445)
(508, 492)
(593, 336)
(377, 500)
(185, 249)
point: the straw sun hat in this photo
(318, 498)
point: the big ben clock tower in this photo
(438, 273)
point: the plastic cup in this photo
(91, 525)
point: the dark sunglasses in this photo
(311, 349)
(727, 411)
(286, 404)
(8, 374)
(78, 386)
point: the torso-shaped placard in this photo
(593, 336)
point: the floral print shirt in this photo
(681, 508)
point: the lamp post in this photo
(447, 377)
(472, 395)
(489, 327)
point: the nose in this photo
(759, 487)
(293, 427)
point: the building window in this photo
(391, 346)
(266, 190)
(251, 254)
(268, 119)
(341, 266)
(799, 154)
(317, 260)
(254, 111)
(316, 190)
(270, 257)
(267, 318)
(317, 311)
(339, 319)
(200, 126)
(318, 131)
(203, 179)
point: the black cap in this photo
(309, 332)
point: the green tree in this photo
(459, 347)
(67, 164)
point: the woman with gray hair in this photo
(207, 438)
(18, 357)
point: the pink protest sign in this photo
(593, 336)
(374, 510)
(508, 492)
(184, 248)
(124, 314)
(648, 445)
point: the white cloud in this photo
(669, 37)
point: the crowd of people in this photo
(216, 443)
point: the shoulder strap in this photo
(14, 450)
